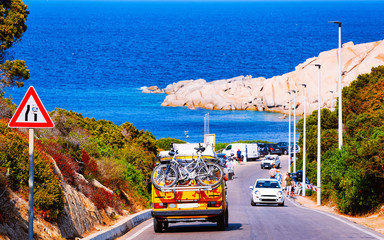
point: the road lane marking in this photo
(139, 232)
(352, 224)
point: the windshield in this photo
(267, 184)
(269, 158)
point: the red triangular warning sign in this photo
(31, 113)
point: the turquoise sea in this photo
(93, 57)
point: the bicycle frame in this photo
(184, 170)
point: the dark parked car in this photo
(273, 149)
(263, 150)
(284, 147)
(298, 177)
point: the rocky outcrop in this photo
(247, 93)
(79, 217)
(80, 214)
(152, 89)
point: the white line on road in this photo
(339, 219)
(139, 232)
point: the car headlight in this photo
(279, 193)
(257, 192)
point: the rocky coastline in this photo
(261, 94)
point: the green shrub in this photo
(353, 176)
(165, 143)
(49, 198)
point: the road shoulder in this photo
(374, 221)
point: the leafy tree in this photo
(13, 16)
(352, 177)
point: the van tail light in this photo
(214, 204)
(160, 205)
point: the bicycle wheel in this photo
(210, 175)
(164, 175)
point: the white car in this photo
(267, 191)
(270, 160)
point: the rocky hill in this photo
(87, 173)
(248, 93)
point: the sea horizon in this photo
(94, 57)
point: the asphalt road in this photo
(260, 222)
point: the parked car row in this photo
(253, 151)
(272, 148)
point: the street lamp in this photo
(318, 144)
(294, 130)
(304, 137)
(186, 135)
(289, 133)
(340, 90)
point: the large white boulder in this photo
(247, 93)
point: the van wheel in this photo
(226, 218)
(157, 225)
(221, 222)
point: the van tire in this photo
(157, 225)
(226, 218)
(221, 222)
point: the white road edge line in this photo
(339, 219)
(140, 231)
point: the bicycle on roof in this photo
(174, 171)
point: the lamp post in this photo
(294, 130)
(289, 133)
(304, 136)
(186, 135)
(340, 90)
(318, 144)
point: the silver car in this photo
(267, 191)
(270, 160)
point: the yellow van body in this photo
(189, 203)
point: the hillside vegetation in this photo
(353, 177)
(109, 164)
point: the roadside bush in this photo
(165, 143)
(65, 163)
(90, 165)
(49, 198)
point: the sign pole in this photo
(30, 184)
(31, 114)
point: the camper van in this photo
(189, 202)
(248, 150)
